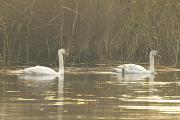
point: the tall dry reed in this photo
(94, 31)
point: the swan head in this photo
(154, 52)
(62, 51)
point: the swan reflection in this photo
(40, 77)
(135, 80)
(45, 88)
(132, 77)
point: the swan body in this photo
(42, 70)
(37, 70)
(137, 69)
(131, 68)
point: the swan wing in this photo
(132, 68)
(39, 70)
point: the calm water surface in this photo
(90, 95)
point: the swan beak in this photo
(66, 52)
(158, 55)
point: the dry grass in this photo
(94, 31)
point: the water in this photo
(90, 94)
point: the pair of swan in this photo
(121, 69)
(137, 69)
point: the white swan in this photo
(137, 69)
(42, 70)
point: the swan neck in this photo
(151, 63)
(61, 63)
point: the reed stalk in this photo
(95, 31)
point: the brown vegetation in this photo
(94, 31)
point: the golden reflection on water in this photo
(25, 99)
(162, 109)
(90, 96)
(155, 100)
(12, 91)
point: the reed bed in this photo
(93, 31)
